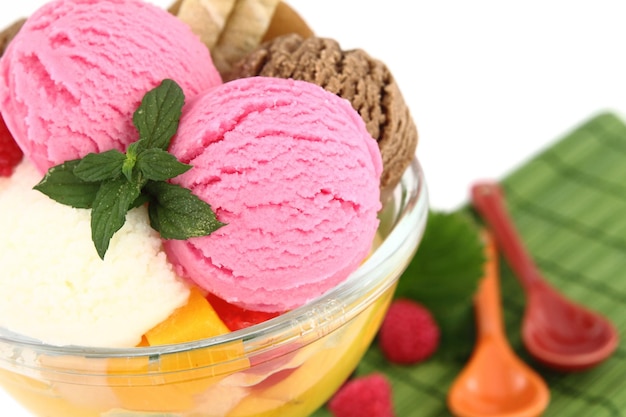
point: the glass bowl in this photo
(286, 367)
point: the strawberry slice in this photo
(235, 317)
(10, 153)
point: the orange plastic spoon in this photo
(561, 334)
(495, 382)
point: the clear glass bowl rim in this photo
(408, 225)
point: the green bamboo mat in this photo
(569, 204)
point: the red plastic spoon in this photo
(557, 332)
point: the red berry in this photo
(235, 317)
(363, 396)
(409, 334)
(10, 153)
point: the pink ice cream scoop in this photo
(295, 175)
(77, 70)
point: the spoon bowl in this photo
(559, 333)
(564, 335)
(495, 382)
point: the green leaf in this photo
(110, 206)
(63, 186)
(158, 165)
(176, 213)
(445, 272)
(102, 166)
(157, 117)
(128, 166)
(142, 199)
(111, 183)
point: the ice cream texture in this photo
(75, 72)
(289, 167)
(352, 74)
(55, 288)
(70, 80)
(294, 173)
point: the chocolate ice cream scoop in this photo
(352, 74)
(9, 33)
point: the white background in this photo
(489, 83)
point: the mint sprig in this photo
(111, 183)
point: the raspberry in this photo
(409, 334)
(10, 153)
(235, 317)
(363, 396)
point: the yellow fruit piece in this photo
(176, 381)
(194, 321)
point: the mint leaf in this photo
(158, 165)
(108, 215)
(100, 166)
(176, 213)
(141, 200)
(157, 117)
(63, 186)
(131, 160)
(111, 183)
(444, 275)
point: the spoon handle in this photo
(488, 199)
(487, 304)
